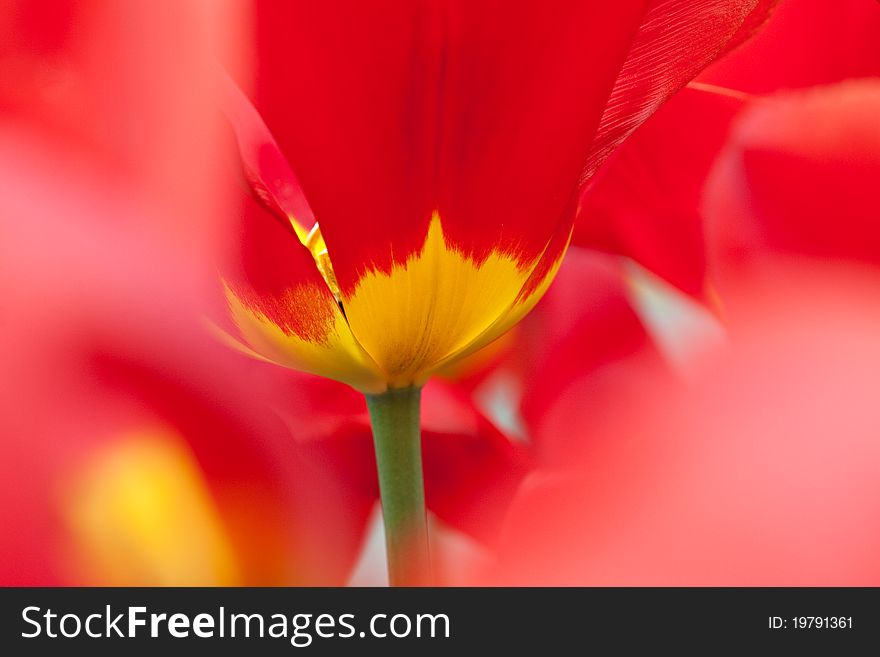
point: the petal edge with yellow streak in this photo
(265, 167)
(284, 310)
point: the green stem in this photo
(397, 438)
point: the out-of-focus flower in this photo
(759, 470)
(443, 162)
(585, 344)
(796, 182)
(645, 203)
(132, 451)
(806, 43)
(89, 82)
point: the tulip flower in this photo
(582, 341)
(424, 184)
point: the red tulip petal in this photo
(265, 166)
(645, 202)
(359, 122)
(441, 113)
(524, 87)
(752, 25)
(348, 90)
(806, 42)
(283, 309)
(675, 42)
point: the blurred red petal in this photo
(760, 473)
(106, 338)
(471, 469)
(124, 88)
(586, 352)
(102, 345)
(645, 202)
(796, 181)
(265, 166)
(806, 42)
